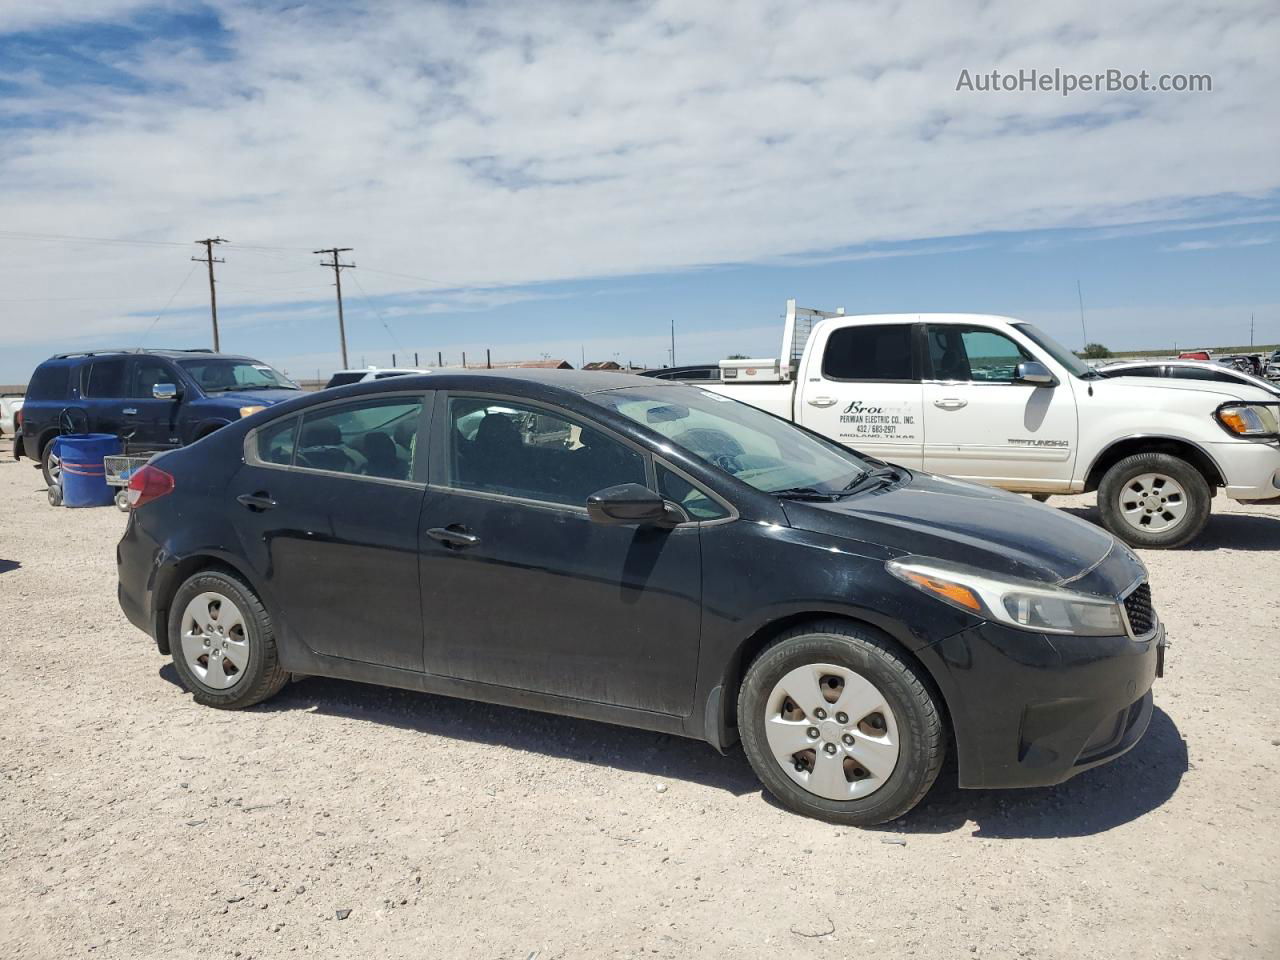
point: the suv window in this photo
(880, 352)
(105, 379)
(49, 382)
(973, 353)
(523, 451)
(370, 438)
(342, 379)
(146, 374)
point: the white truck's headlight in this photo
(1248, 419)
(1017, 603)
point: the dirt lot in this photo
(134, 823)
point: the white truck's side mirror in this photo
(1035, 373)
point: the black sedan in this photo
(648, 554)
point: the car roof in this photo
(580, 382)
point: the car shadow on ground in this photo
(1093, 802)
(583, 741)
(7, 565)
(1235, 531)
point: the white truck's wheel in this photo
(1154, 500)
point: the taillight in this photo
(149, 483)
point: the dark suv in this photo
(155, 399)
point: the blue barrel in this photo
(84, 482)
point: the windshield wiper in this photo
(868, 479)
(257, 386)
(804, 493)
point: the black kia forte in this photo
(649, 554)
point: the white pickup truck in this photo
(997, 401)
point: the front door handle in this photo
(951, 403)
(130, 411)
(257, 502)
(453, 536)
(822, 401)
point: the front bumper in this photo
(1033, 710)
(1251, 468)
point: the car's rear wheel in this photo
(1154, 500)
(838, 725)
(223, 642)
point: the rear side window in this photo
(1199, 373)
(371, 438)
(49, 382)
(276, 441)
(105, 379)
(880, 352)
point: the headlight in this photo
(1017, 603)
(1248, 419)
(250, 411)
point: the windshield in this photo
(768, 453)
(218, 375)
(1075, 366)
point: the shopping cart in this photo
(120, 468)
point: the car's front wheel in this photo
(839, 725)
(223, 642)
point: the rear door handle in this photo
(257, 502)
(822, 401)
(130, 411)
(453, 536)
(951, 403)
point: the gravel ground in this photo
(341, 820)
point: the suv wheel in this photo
(223, 642)
(1154, 500)
(50, 465)
(837, 725)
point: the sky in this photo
(575, 179)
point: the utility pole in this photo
(213, 295)
(673, 341)
(338, 266)
(1251, 329)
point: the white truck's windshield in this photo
(1075, 366)
(759, 449)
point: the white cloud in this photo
(1227, 244)
(493, 144)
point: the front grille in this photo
(1138, 609)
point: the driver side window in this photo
(529, 452)
(973, 354)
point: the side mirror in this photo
(1034, 373)
(629, 503)
(164, 391)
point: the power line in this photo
(383, 320)
(338, 267)
(213, 295)
(168, 302)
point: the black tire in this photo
(45, 466)
(263, 677)
(867, 652)
(1116, 480)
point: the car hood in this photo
(980, 526)
(264, 397)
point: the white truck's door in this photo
(860, 385)
(982, 425)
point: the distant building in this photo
(522, 364)
(602, 365)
